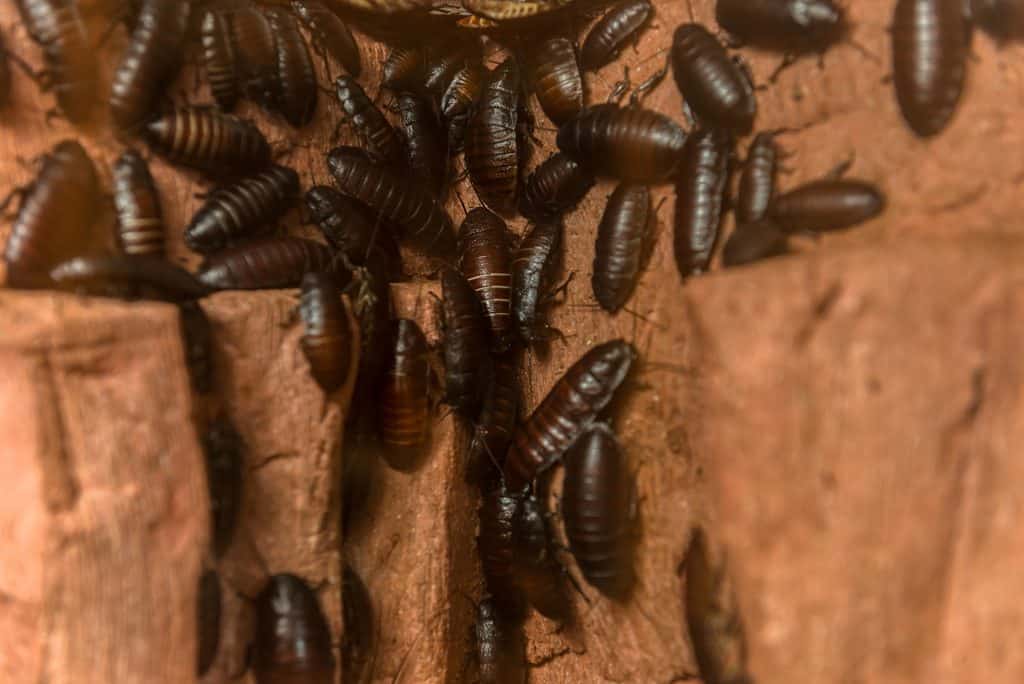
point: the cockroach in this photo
(571, 406)
(757, 182)
(466, 361)
(930, 40)
(622, 239)
(219, 58)
(224, 450)
(492, 140)
(632, 144)
(150, 62)
(557, 79)
(495, 542)
(403, 69)
(343, 221)
(440, 68)
(197, 340)
(330, 34)
(327, 339)
(71, 65)
(457, 102)
(598, 505)
(208, 611)
(241, 208)
(404, 404)
(790, 26)
(358, 620)
(606, 38)
(296, 76)
(717, 91)
(752, 242)
(510, 10)
(394, 197)
(267, 263)
(207, 140)
(500, 647)
(700, 192)
(494, 427)
(538, 571)
(1002, 19)
(128, 276)
(256, 50)
(555, 187)
(291, 643)
(484, 258)
(140, 219)
(826, 205)
(56, 216)
(712, 618)
(533, 266)
(424, 141)
(380, 137)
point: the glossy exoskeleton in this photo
(344, 222)
(404, 401)
(757, 182)
(197, 341)
(500, 646)
(632, 144)
(1003, 19)
(484, 259)
(828, 204)
(140, 220)
(492, 140)
(205, 139)
(292, 643)
(208, 610)
(265, 264)
(752, 242)
(296, 76)
(788, 26)
(128, 276)
(330, 34)
(425, 142)
(538, 571)
(557, 79)
(219, 58)
(466, 341)
(700, 193)
(606, 38)
(224, 450)
(713, 85)
(571, 406)
(55, 219)
(242, 208)
(457, 103)
(533, 269)
(499, 510)
(403, 69)
(358, 619)
(380, 137)
(497, 420)
(555, 187)
(623, 236)
(256, 52)
(327, 339)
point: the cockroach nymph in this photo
(140, 221)
(533, 269)
(256, 51)
(345, 223)
(404, 401)
(790, 26)
(224, 449)
(757, 182)
(492, 140)
(197, 340)
(484, 258)
(265, 264)
(296, 76)
(752, 242)
(498, 512)
(330, 34)
(620, 24)
(500, 646)
(622, 239)
(466, 342)
(380, 137)
(292, 643)
(827, 205)
(219, 58)
(327, 339)
(426, 143)
(557, 79)
(457, 103)
(555, 187)
(127, 276)
(713, 86)
(700, 193)
(207, 140)
(538, 571)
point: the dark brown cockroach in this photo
(571, 406)
(700, 192)
(757, 182)
(327, 339)
(752, 242)
(439, 68)
(291, 642)
(242, 208)
(557, 79)
(224, 450)
(268, 263)
(1002, 19)
(457, 103)
(537, 569)
(492, 140)
(790, 26)
(495, 542)
(330, 34)
(622, 239)
(632, 144)
(713, 618)
(219, 58)
(71, 66)
(620, 24)
(828, 204)
(498, 416)
(256, 51)
(404, 402)
(555, 187)
(197, 341)
(208, 608)
(140, 219)
(466, 361)
(296, 76)
(56, 216)
(930, 40)
(715, 88)
(343, 221)
(424, 141)
(403, 69)
(533, 267)
(150, 62)
(380, 137)
(484, 258)
(205, 139)
(128, 276)
(598, 509)
(393, 196)
(357, 618)
(500, 646)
